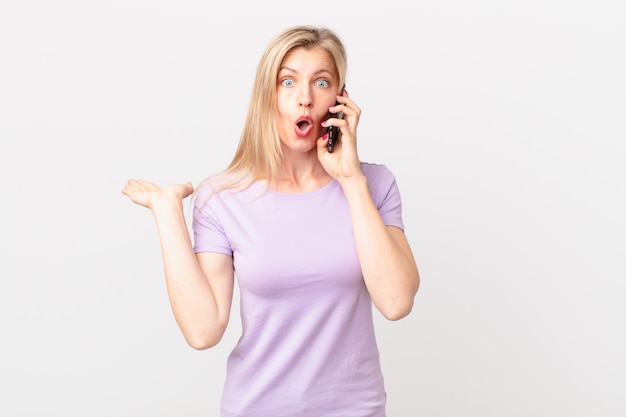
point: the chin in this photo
(300, 145)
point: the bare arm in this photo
(199, 287)
(388, 265)
(386, 259)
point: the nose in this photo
(305, 96)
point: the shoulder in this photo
(214, 187)
(226, 189)
(377, 173)
(381, 181)
(385, 193)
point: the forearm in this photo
(388, 266)
(192, 300)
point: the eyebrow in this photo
(320, 71)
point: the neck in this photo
(302, 175)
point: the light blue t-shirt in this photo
(307, 347)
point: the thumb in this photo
(322, 144)
(188, 188)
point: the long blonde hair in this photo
(259, 153)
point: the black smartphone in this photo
(333, 131)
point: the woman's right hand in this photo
(148, 194)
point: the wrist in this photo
(353, 183)
(167, 205)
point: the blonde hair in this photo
(259, 153)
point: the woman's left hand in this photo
(343, 162)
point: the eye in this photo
(287, 82)
(321, 83)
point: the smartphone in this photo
(333, 131)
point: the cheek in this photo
(282, 106)
(282, 118)
(285, 96)
(323, 111)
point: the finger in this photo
(321, 145)
(349, 111)
(130, 187)
(348, 102)
(188, 189)
(347, 123)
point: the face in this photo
(306, 87)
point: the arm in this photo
(388, 265)
(386, 259)
(199, 287)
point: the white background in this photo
(503, 121)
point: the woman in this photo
(313, 236)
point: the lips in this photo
(303, 126)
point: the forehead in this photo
(313, 59)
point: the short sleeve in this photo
(209, 235)
(385, 193)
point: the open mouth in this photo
(304, 125)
